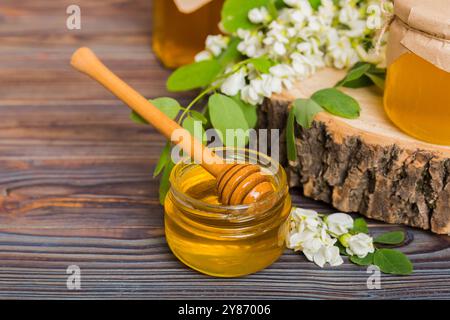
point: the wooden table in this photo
(76, 185)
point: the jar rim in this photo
(273, 198)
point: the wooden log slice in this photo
(365, 165)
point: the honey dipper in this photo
(236, 183)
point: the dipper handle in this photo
(86, 61)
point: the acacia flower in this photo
(341, 53)
(304, 39)
(326, 12)
(259, 15)
(328, 254)
(203, 55)
(284, 73)
(216, 44)
(253, 93)
(270, 85)
(360, 245)
(251, 44)
(309, 234)
(234, 83)
(303, 5)
(339, 223)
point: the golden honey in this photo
(178, 37)
(223, 241)
(417, 98)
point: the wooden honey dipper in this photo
(236, 183)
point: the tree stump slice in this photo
(365, 165)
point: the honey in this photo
(417, 92)
(417, 99)
(223, 241)
(177, 36)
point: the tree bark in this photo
(383, 178)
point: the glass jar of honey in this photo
(417, 92)
(180, 28)
(225, 241)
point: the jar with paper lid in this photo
(180, 28)
(417, 92)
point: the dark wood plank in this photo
(76, 182)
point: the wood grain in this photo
(76, 186)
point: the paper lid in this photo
(423, 28)
(189, 6)
(429, 16)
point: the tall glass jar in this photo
(416, 96)
(225, 241)
(179, 36)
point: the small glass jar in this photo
(177, 36)
(225, 241)
(416, 96)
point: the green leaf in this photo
(315, 4)
(194, 127)
(279, 4)
(337, 103)
(235, 14)
(164, 159)
(394, 237)
(393, 262)
(272, 8)
(225, 114)
(137, 118)
(231, 53)
(377, 80)
(193, 76)
(198, 116)
(164, 184)
(362, 82)
(355, 73)
(250, 111)
(378, 71)
(169, 106)
(261, 64)
(342, 249)
(360, 226)
(366, 261)
(290, 137)
(363, 74)
(305, 110)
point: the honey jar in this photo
(219, 240)
(417, 92)
(180, 28)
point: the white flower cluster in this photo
(299, 41)
(308, 233)
(316, 237)
(214, 47)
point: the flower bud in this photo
(344, 239)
